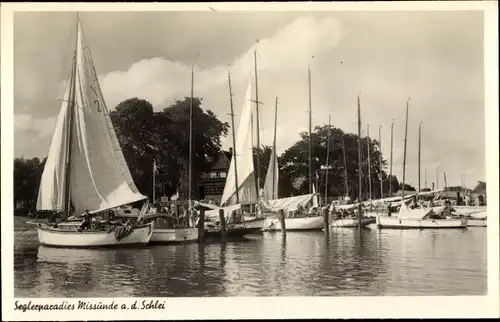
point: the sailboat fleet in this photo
(86, 175)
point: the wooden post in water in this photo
(201, 226)
(326, 219)
(282, 221)
(222, 220)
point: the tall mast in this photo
(72, 107)
(327, 158)
(425, 178)
(359, 152)
(258, 120)
(154, 180)
(419, 145)
(274, 143)
(437, 178)
(234, 139)
(191, 138)
(390, 165)
(369, 162)
(310, 130)
(404, 150)
(380, 162)
(346, 186)
(445, 183)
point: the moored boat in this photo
(86, 172)
(352, 222)
(417, 219)
(165, 231)
(69, 236)
(296, 224)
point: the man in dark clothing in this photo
(86, 221)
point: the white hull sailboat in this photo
(417, 218)
(165, 233)
(85, 168)
(296, 224)
(351, 222)
(240, 187)
(50, 236)
(290, 205)
(409, 223)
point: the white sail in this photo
(247, 189)
(272, 175)
(53, 181)
(315, 197)
(100, 178)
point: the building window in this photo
(212, 175)
(223, 175)
(217, 175)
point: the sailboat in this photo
(168, 228)
(360, 220)
(85, 168)
(296, 218)
(420, 217)
(240, 188)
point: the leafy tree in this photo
(285, 186)
(163, 136)
(27, 176)
(295, 161)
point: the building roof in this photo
(223, 161)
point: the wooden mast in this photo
(190, 171)
(274, 144)
(310, 130)
(327, 158)
(380, 162)
(419, 151)
(404, 150)
(258, 123)
(359, 164)
(234, 139)
(346, 186)
(369, 161)
(390, 165)
(72, 107)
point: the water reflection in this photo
(342, 262)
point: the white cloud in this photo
(42, 127)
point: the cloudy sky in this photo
(434, 57)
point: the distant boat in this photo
(85, 167)
(240, 188)
(420, 217)
(417, 218)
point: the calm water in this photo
(387, 262)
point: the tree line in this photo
(163, 136)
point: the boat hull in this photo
(386, 222)
(172, 236)
(351, 223)
(231, 233)
(255, 223)
(54, 237)
(297, 224)
(476, 223)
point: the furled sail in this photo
(247, 189)
(272, 175)
(99, 176)
(315, 197)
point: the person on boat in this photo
(86, 221)
(389, 209)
